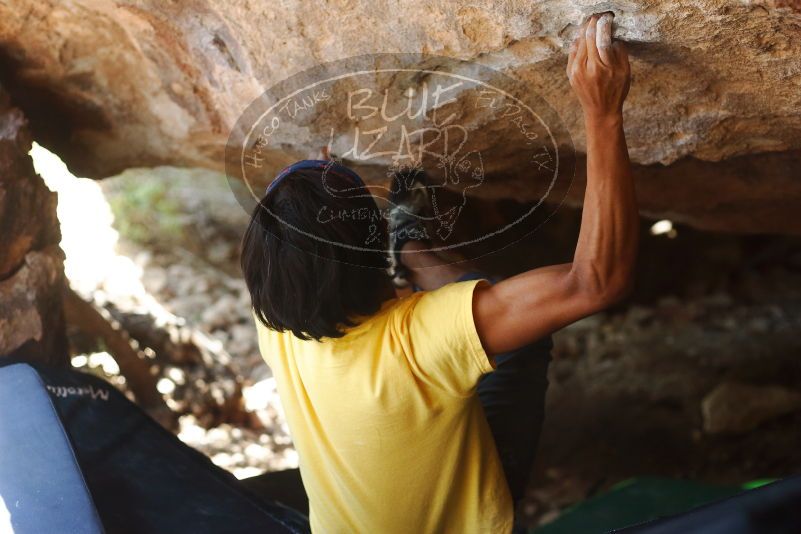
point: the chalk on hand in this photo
(603, 35)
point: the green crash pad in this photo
(636, 501)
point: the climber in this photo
(422, 413)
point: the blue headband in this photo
(328, 166)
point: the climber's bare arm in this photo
(522, 309)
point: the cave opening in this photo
(156, 251)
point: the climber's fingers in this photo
(571, 56)
(580, 59)
(621, 56)
(603, 38)
(592, 49)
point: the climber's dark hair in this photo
(300, 277)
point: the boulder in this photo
(737, 408)
(712, 119)
(31, 263)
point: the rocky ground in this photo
(696, 377)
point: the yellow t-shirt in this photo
(388, 427)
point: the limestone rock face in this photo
(31, 263)
(115, 84)
(737, 408)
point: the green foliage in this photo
(144, 212)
